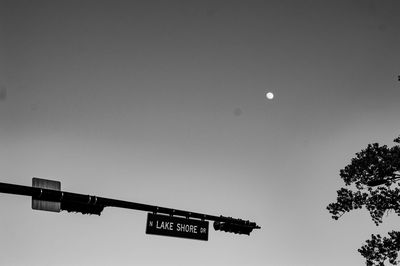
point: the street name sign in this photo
(176, 227)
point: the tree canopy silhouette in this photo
(371, 181)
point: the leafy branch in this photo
(371, 181)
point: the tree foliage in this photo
(372, 181)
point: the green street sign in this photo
(165, 225)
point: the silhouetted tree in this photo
(371, 181)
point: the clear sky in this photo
(163, 102)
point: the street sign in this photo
(45, 205)
(176, 226)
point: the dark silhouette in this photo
(371, 181)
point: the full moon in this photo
(269, 95)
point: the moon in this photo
(269, 95)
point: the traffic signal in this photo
(82, 208)
(232, 227)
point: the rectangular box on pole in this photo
(45, 205)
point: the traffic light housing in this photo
(82, 208)
(236, 227)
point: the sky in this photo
(163, 102)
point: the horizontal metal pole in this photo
(19, 190)
(69, 197)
